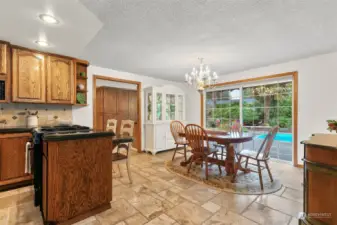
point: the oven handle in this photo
(28, 160)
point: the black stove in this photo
(38, 134)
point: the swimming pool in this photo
(285, 137)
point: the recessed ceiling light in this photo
(42, 43)
(48, 19)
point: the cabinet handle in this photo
(27, 159)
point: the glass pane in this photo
(271, 100)
(285, 100)
(149, 106)
(159, 106)
(258, 117)
(248, 116)
(170, 107)
(285, 87)
(248, 91)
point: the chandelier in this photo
(202, 78)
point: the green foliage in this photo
(267, 105)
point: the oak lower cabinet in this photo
(28, 76)
(13, 159)
(320, 180)
(60, 80)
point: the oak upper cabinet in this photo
(29, 76)
(3, 58)
(60, 80)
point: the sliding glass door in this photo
(258, 107)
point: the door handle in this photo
(27, 158)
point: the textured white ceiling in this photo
(20, 25)
(164, 38)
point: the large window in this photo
(257, 108)
(222, 108)
(268, 105)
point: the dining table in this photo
(228, 139)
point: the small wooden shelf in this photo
(77, 104)
(82, 91)
(81, 78)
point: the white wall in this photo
(84, 115)
(317, 91)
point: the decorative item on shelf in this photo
(332, 125)
(83, 74)
(80, 98)
(80, 87)
(32, 119)
(202, 78)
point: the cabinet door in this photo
(12, 157)
(60, 80)
(3, 58)
(110, 100)
(28, 77)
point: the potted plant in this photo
(332, 125)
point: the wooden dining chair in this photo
(262, 155)
(111, 125)
(198, 140)
(118, 157)
(178, 127)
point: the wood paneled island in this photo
(77, 175)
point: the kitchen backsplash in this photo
(16, 114)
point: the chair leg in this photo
(222, 150)
(236, 169)
(119, 170)
(185, 152)
(246, 165)
(189, 166)
(268, 169)
(206, 166)
(174, 154)
(260, 174)
(128, 169)
(216, 156)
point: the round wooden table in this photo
(226, 139)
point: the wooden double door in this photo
(119, 104)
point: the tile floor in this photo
(158, 197)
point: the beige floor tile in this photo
(163, 219)
(115, 182)
(122, 192)
(137, 219)
(158, 185)
(121, 223)
(293, 194)
(224, 217)
(3, 216)
(176, 189)
(282, 204)
(188, 213)
(120, 210)
(172, 197)
(25, 214)
(234, 202)
(210, 206)
(182, 183)
(199, 193)
(265, 215)
(136, 179)
(294, 221)
(149, 206)
(88, 221)
(280, 192)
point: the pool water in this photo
(285, 137)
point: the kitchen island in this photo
(76, 175)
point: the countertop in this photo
(322, 140)
(87, 135)
(17, 129)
